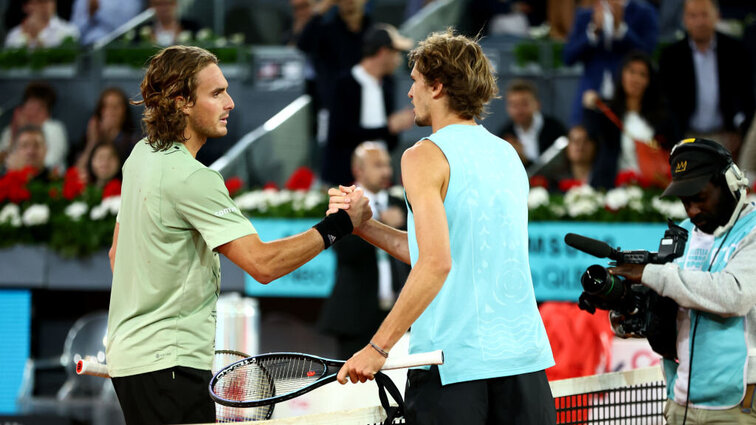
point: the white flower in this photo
(184, 37)
(617, 198)
(276, 198)
(582, 207)
(76, 210)
(204, 34)
(145, 32)
(98, 212)
(35, 215)
(250, 201)
(11, 214)
(221, 42)
(538, 197)
(558, 210)
(129, 35)
(313, 199)
(112, 204)
(671, 209)
(237, 38)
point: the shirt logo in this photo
(681, 166)
(225, 211)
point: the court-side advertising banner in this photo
(556, 268)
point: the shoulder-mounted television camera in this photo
(634, 309)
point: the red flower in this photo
(301, 179)
(233, 185)
(626, 177)
(73, 186)
(567, 184)
(112, 188)
(539, 181)
(13, 185)
(270, 186)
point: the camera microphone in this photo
(590, 246)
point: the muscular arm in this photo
(387, 238)
(425, 173)
(267, 261)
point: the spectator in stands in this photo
(580, 155)
(111, 123)
(637, 111)
(414, 6)
(599, 39)
(104, 165)
(29, 150)
(36, 107)
(560, 15)
(98, 18)
(529, 131)
(166, 28)
(41, 27)
(301, 12)
(332, 40)
(363, 102)
(708, 79)
(513, 17)
(367, 279)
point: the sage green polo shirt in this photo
(166, 280)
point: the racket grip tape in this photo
(86, 367)
(413, 360)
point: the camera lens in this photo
(597, 281)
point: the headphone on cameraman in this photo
(734, 178)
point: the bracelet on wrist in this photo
(380, 350)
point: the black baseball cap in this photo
(384, 35)
(693, 163)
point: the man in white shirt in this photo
(363, 102)
(41, 27)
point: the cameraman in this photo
(714, 284)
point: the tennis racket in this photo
(90, 366)
(271, 378)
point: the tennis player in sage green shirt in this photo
(176, 216)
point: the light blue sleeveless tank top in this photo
(485, 317)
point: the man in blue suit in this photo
(599, 39)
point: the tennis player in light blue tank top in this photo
(469, 292)
(500, 332)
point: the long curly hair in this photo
(459, 64)
(172, 73)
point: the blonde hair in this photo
(459, 64)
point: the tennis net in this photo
(634, 397)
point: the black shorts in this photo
(518, 399)
(178, 395)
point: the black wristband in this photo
(334, 227)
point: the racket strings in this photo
(264, 378)
(228, 414)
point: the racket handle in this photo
(413, 360)
(86, 367)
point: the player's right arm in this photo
(267, 261)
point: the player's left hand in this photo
(631, 272)
(362, 366)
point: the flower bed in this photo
(76, 220)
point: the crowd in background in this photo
(646, 81)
